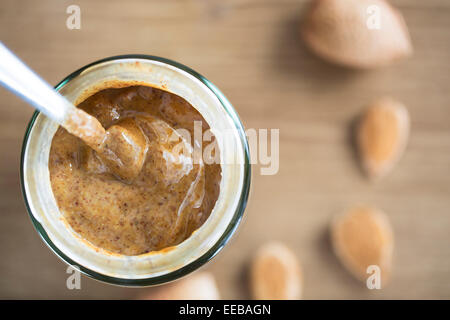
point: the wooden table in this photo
(251, 50)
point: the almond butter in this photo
(199, 286)
(363, 237)
(275, 273)
(356, 33)
(382, 135)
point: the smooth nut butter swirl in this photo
(146, 195)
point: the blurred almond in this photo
(198, 286)
(346, 32)
(275, 273)
(363, 237)
(382, 135)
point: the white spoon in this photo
(121, 147)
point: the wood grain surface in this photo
(251, 50)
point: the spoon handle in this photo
(18, 78)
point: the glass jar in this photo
(158, 266)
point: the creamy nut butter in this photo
(167, 198)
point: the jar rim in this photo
(215, 249)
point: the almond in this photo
(275, 273)
(382, 135)
(341, 32)
(363, 237)
(199, 286)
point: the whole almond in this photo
(198, 286)
(275, 273)
(382, 135)
(363, 237)
(341, 32)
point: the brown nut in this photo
(275, 273)
(382, 135)
(363, 237)
(340, 32)
(199, 286)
